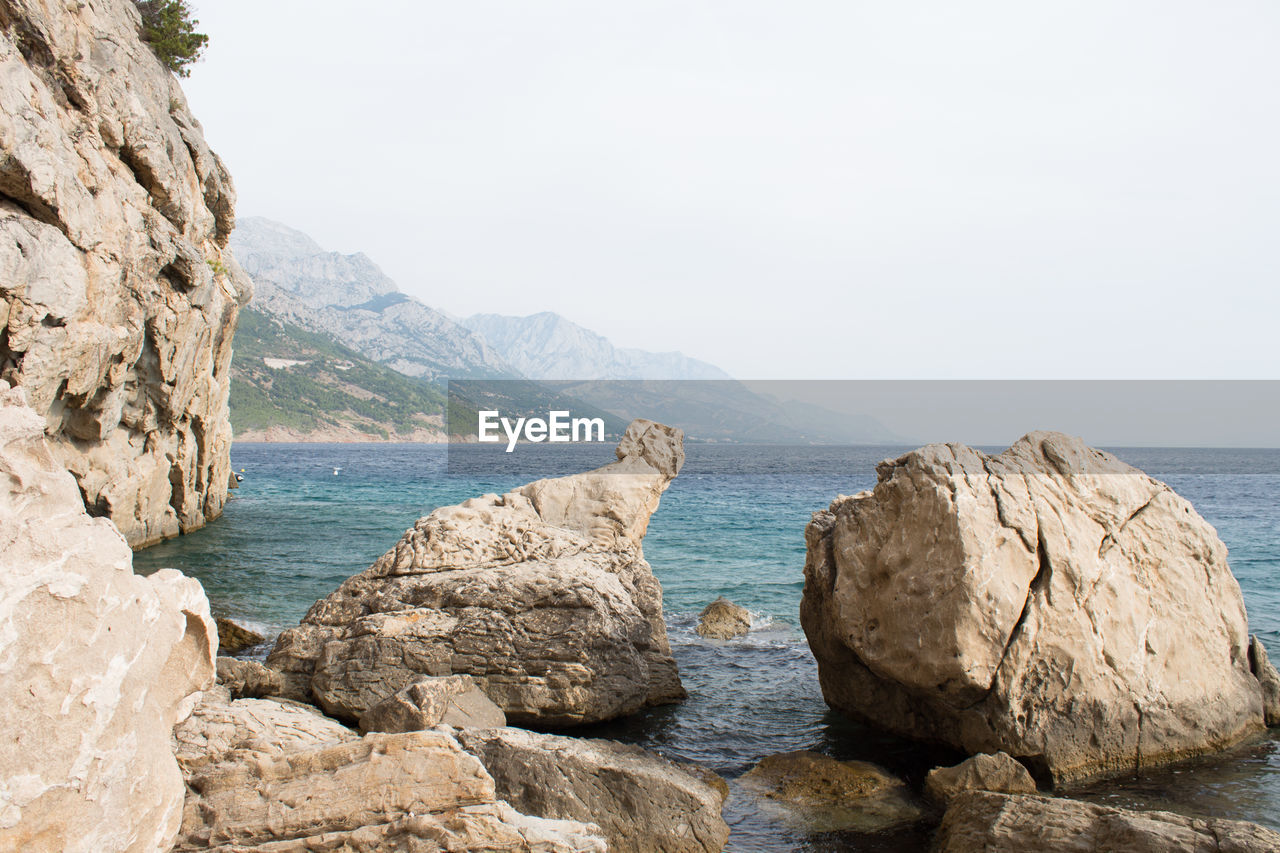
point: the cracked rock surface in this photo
(118, 296)
(1050, 601)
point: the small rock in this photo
(247, 679)
(825, 795)
(1002, 823)
(1001, 773)
(233, 638)
(723, 620)
(1267, 676)
(454, 700)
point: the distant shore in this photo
(336, 435)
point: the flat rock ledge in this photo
(981, 822)
(1050, 602)
(541, 595)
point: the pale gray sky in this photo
(788, 190)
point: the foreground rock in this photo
(453, 700)
(234, 638)
(118, 296)
(542, 595)
(248, 679)
(280, 776)
(1268, 678)
(822, 794)
(723, 620)
(982, 772)
(1050, 602)
(996, 823)
(98, 664)
(641, 802)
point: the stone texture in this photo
(233, 638)
(1050, 602)
(640, 801)
(542, 595)
(723, 620)
(979, 822)
(248, 679)
(118, 296)
(821, 794)
(414, 791)
(997, 772)
(97, 664)
(453, 700)
(1268, 678)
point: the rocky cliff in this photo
(118, 296)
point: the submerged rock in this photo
(233, 638)
(982, 772)
(1268, 678)
(723, 620)
(980, 822)
(98, 664)
(118, 295)
(1051, 602)
(641, 802)
(542, 595)
(822, 794)
(453, 700)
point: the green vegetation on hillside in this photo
(167, 26)
(333, 387)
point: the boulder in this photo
(399, 792)
(1268, 678)
(248, 678)
(981, 822)
(542, 595)
(821, 794)
(118, 294)
(97, 664)
(234, 638)
(640, 801)
(1050, 602)
(723, 620)
(453, 700)
(983, 772)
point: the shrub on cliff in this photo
(168, 27)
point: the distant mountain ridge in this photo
(548, 346)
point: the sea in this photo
(308, 516)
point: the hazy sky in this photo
(788, 190)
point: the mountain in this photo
(547, 346)
(351, 299)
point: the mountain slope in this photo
(350, 298)
(547, 346)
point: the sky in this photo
(800, 190)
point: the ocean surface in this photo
(307, 516)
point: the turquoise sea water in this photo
(731, 524)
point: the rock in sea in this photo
(234, 638)
(981, 822)
(542, 595)
(723, 620)
(97, 664)
(1050, 602)
(982, 772)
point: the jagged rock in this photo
(542, 595)
(233, 638)
(981, 822)
(118, 296)
(822, 794)
(248, 679)
(453, 700)
(983, 772)
(640, 801)
(97, 664)
(410, 791)
(1050, 602)
(1262, 668)
(723, 620)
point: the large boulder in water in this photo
(542, 595)
(1051, 602)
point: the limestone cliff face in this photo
(118, 297)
